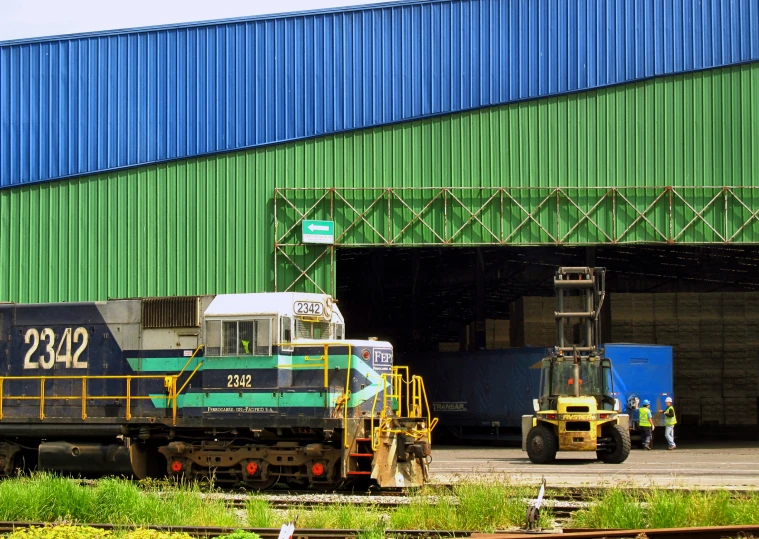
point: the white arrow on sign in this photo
(313, 227)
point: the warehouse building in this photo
(458, 151)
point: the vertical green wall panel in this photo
(205, 225)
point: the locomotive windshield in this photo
(318, 330)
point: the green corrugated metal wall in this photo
(206, 225)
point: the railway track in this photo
(711, 532)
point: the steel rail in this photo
(706, 532)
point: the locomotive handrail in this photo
(190, 361)
(170, 382)
(421, 396)
(417, 406)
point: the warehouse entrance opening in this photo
(470, 314)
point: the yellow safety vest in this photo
(669, 421)
(644, 419)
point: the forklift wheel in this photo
(542, 445)
(621, 450)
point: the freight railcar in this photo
(249, 389)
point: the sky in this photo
(35, 18)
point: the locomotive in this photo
(242, 389)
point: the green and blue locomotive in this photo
(249, 389)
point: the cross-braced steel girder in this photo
(517, 216)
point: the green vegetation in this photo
(468, 506)
(664, 508)
(482, 507)
(65, 531)
(69, 531)
(48, 498)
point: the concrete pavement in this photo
(706, 465)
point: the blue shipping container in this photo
(89, 103)
(476, 393)
(642, 371)
(486, 389)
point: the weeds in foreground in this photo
(49, 498)
(664, 508)
(469, 507)
(86, 532)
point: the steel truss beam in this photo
(472, 216)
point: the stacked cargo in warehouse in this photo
(533, 322)
(497, 334)
(713, 337)
(497, 337)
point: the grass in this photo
(68, 531)
(48, 498)
(480, 506)
(664, 508)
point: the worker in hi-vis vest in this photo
(670, 420)
(646, 424)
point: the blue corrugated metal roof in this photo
(102, 101)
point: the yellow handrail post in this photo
(128, 398)
(174, 398)
(326, 365)
(1, 397)
(346, 395)
(42, 398)
(408, 399)
(84, 398)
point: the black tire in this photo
(542, 445)
(621, 445)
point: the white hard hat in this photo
(668, 399)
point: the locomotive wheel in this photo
(542, 445)
(328, 486)
(621, 445)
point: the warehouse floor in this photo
(704, 465)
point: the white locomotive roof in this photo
(265, 303)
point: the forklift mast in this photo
(590, 283)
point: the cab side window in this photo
(239, 337)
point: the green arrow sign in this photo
(318, 231)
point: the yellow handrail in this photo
(190, 360)
(346, 398)
(417, 406)
(170, 382)
(197, 367)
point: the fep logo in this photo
(382, 360)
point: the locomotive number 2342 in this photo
(44, 340)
